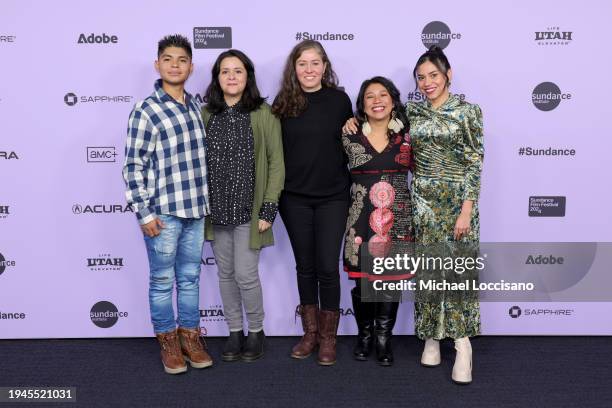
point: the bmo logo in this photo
(97, 39)
(101, 154)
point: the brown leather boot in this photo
(308, 342)
(328, 327)
(171, 355)
(194, 348)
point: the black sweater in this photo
(315, 164)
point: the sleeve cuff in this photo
(268, 211)
(145, 215)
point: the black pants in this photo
(316, 230)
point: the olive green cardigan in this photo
(269, 171)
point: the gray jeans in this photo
(238, 276)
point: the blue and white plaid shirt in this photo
(165, 160)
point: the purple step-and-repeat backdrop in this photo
(71, 72)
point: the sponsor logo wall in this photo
(69, 240)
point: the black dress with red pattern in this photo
(380, 214)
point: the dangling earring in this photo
(366, 129)
(395, 125)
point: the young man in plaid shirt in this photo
(165, 175)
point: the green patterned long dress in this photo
(448, 151)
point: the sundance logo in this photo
(104, 314)
(12, 316)
(97, 39)
(547, 96)
(4, 263)
(101, 208)
(438, 33)
(104, 262)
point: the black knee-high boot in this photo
(364, 315)
(386, 314)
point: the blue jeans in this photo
(175, 253)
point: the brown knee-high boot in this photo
(309, 340)
(328, 328)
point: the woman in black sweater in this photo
(314, 202)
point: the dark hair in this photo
(291, 101)
(436, 56)
(398, 108)
(174, 40)
(250, 100)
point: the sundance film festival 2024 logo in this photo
(104, 314)
(547, 96)
(212, 37)
(438, 33)
(547, 206)
(71, 99)
(553, 36)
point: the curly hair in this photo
(290, 100)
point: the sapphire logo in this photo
(70, 99)
(104, 314)
(438, 33)
(515, 312)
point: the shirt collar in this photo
(164, 97)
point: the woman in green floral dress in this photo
(448, 151)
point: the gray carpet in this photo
(508, 372)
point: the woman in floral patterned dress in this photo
(380, 213)
(447, 146)
(447, 140)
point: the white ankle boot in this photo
(462, 370)
(431, 353)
